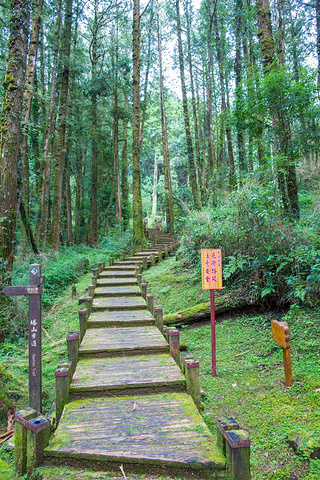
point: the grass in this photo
(249, 383)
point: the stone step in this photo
(119, 303)
(122, 318)
(117, 291)
(144, 433)
(118, 266)
(107, 342)
(141, 375)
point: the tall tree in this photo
(138, 232)
(192, 165)
(60, 148)
(10, 131)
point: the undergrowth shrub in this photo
(61, 269)
(269, 259)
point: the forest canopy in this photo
(115, 112)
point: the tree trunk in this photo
(124, 169)
(60, 148)
(239, 92)
(212, 162)
(42, 229)
(192, 166)
(154, 191)
(10, 133)
(116, 133)
(165, 146)
(138, 233)
(318, 40)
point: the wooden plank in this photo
(116, 273)
(162, 429)
(119, 303)
(123, 318)
(113, 341)
(117, 291)
(111, 281)
(118, 266)
(143, 371)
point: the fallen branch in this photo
(10, 435)
(240, 354)
(223, 304)
(122, 471)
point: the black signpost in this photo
(34, 290)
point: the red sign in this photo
(211, 269)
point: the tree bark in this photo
(165, 146)
(10, 133)
(138, 233)
(60, 148)
(192, 165)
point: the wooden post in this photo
(88, 302)
(94, 281)
(193, 381)
(91, 290)
(145, 263)
(96, 272)
(37, 441)
(83, 317)
(131, 253)
(20, 438)
(174, 343)
(238, 454)
(139, 279)
(144, 287)
(153, 259)
(150, 303)
(73, 347)
(111, 261)
(159, 318)
(122, 257)
(281, 335)
(63, 377)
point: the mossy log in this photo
(223, 304)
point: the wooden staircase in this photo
(128, 402)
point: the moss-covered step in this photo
(121, 375)
(142, 432)
(111, 281)
(131, 266)
(131, 318)
(119, 303)
(117, 291)
(106, 342)
(127, 273)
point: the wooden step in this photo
(114, 273)
(107, 342)
(117, 291)
(142, 375)
(121, 281)
(119, 303)
(116, 266)
(121, 318)
(162, 431)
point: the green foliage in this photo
(270, 259)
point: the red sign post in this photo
(211, 272)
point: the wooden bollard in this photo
(111, 261)
(153, 259)
(91, 290)
(238, 454)
(73, 348)
(94, 281)
(131, 253)
(185, 357)
(63, 377)
(122, 257)
(88, 302)
(145, 263)
(83, 318)
(160, 255)
(139, 279)
(223, 425)
(193, 381)
(144, 287)
(159, 318)
(166, 250)
(96, 272)
(101, 266)
(37, 440)
(20, 438)
(174, 343)
(150, 303)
